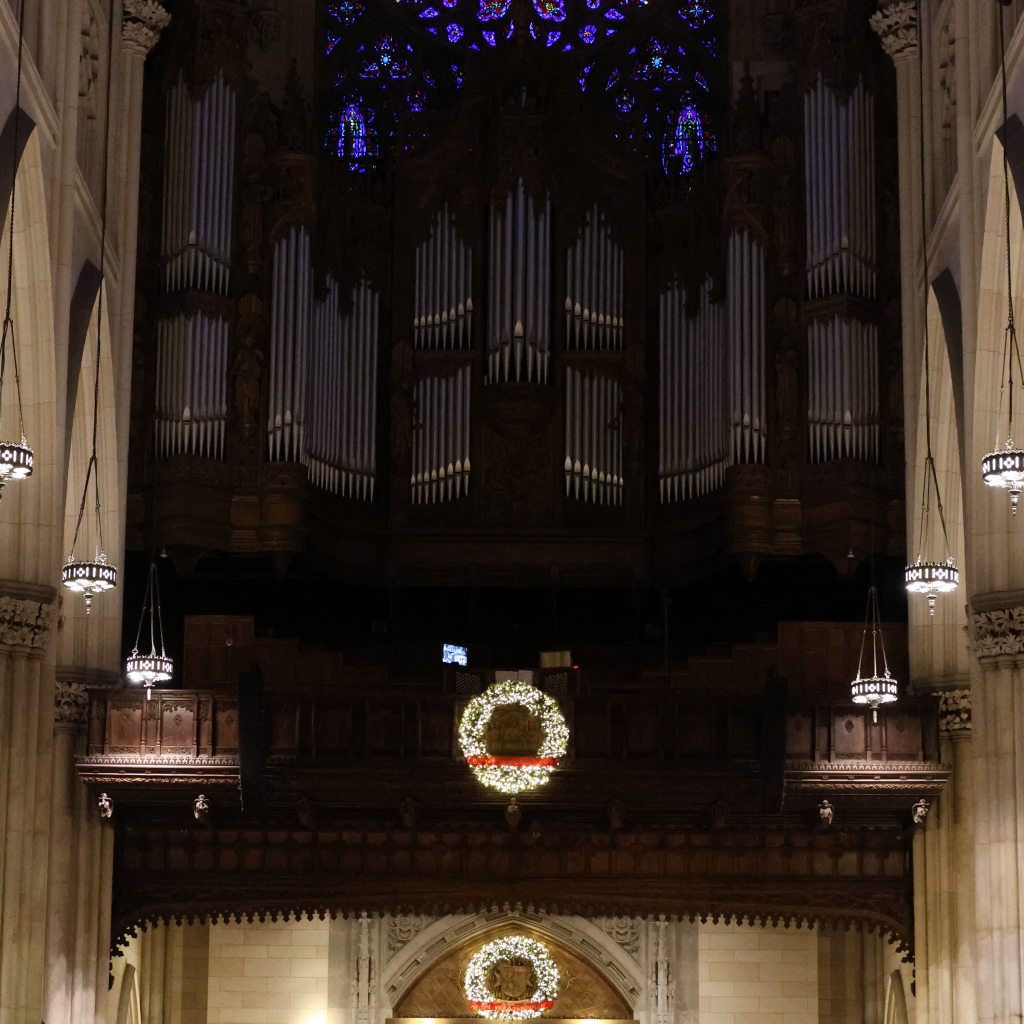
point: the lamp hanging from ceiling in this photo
(16, 457)
(149, 669)
(875, 689)
(929, 575)
(96, 575)
(1004, 465)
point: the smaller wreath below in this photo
(512, 978)
(513, 715)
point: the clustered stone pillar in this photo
(26, 727)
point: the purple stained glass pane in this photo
(550, 10)
(385, 63)
(614, 15)
(533, 30)
(350, 135)
(417, 101)
(610, 31)
(432, 30)
(699, 78)
(624, 102)
(489, 37)
(455, 32)
(593, 4)
(583, 77)
(492, 10)
(553, 36)
(696, 13)
(612, 78)
(430, 12)
(588, 33)
(510, 30)
(567, 48)
(685, 142)
(457, 72)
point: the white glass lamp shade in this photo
(89, 578)
(873, 690)
(16, 460)
(149, 669)
(1005, 469)
(932, 578)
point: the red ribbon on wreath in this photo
(512, 762)
(512, 1007)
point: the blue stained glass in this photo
(624, 102)
(491, 10)
(550, 10)
(686, 139)
(385, 63)
(583, 77)
(567, 48)
(588, 33)
(473, 46)
(350, 135)
(332, 42)
(553, 36)
(613, 15)
(710, 44)
(699, 78)
(455, 32)
(612, 78)
(429, 79)
(511, 28)
(451, 3)
(696, 13)
(430, 12)
(593, 4)
(533, 30)
(457, 72)
(432, 30)
(417, 101)
(610, 31)
(488, 37)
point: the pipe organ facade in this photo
(593, 438)
(842, 399)
(444, 284)
(746, 316)
(693, 426)
(441, 438)
(341, 438)
(191, 385)
(291, 312)
(593, 275)
(839, 182)
(199, 173)
(519, 274)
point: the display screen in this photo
(451, 654)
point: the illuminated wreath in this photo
(492, 970)
(513, 774)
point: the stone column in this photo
(896, 26)
(25, 742)
(997, 717)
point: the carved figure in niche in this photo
(513, 731)
(512, 980)
(786, 389)
(248, 366)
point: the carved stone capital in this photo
(70, 704)
(896, 26)
(144, 20)
(25, 623)
(998, 633)
(955, 711)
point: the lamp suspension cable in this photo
(16, 457)
(1004, 467)
(91, 577)
(928, 575)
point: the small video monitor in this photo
(452, 654)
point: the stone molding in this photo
(896, 27)
(997, 633)
(70, 704)
(144, 20)
(954, 711)
(25, 623)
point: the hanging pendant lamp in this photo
(928, 575)
(1004, 465)
(92, 576)
(16, 457)
(149, 669)
(875, 689)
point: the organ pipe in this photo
(191, 386)
(341, 436)
(291, 302)
(199, 171)
(693, 425)
(839, 177)
(593, 274)
(843, 390)
(440, 451)
(443, 286)
(519, 278)
(745, 301)
(593, 438)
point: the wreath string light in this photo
(513, 949)
(513, 774)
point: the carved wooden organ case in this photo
(548, 285)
